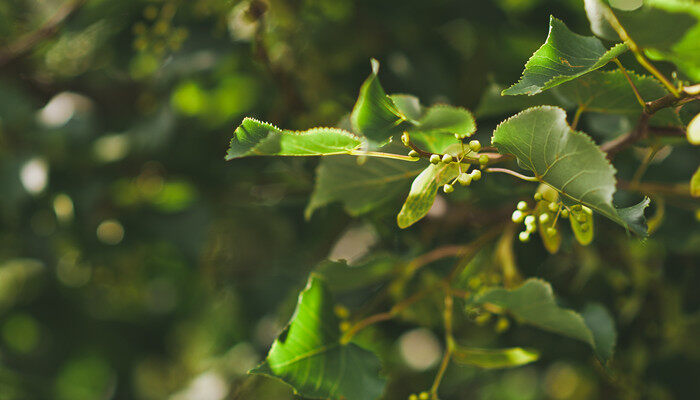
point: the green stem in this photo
(380, 154)
(577, 116)
(513, 173)
(449, 344)
(640, 100)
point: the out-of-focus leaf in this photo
(423, 191)
(602, 326)
(564, 56)
(495, 358)
(16, 277)
(533, 303)
(695, 184)
(565, 159)
(255, 138)
(308, 354)
(360, 187)
(341, 277)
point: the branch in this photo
(29, 41)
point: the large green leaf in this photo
(533, 303)
(609, 92)
(423, 191)
(495, 358)
(308, 354)
(675, 35)
(567, 160)
(360, 187)
(256, 138)
(564, 56)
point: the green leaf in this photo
(495, 358)
(375, 115)
(308, 354)
(256, 138)
(533, 303)
(423, 191)
(609, 92)
(567, 160)
(695, 184)
(602, 326)
(564, 56)
(341, 277)
(494, 104)
(359, 187)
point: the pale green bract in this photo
(423, 191)
(564, 56)
(256, 138)
(567, 160)
(534, 304)
(495, 358)
(308, 354)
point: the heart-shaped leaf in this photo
(567, 160)
(564, 56)
(533, 303)
(308, 354)
(256, 138)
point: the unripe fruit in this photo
(404, 139)
(537, 196)
(448, 188)
(345, 326)
(530, 220)
(434, 159)
(413, 153)
(475, 145)
(553, 207)
(447, 158)
(464, 179)
(517, 216)
(523, 236)
(476, 175)
(413, 397)
(424, 396)
(577, 207)
(544, 218)
(522, 206)
(483, 159)
(565, 213)
(551, 231)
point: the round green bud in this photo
(551, 231)
(434, 159)
(413, 397)
(413, 153)
(464, 179)
(581, 218)
(530, 220)
(553, 207)
(577, 207)
(517, 216)
(424, 396)
(448, 188)
(522, 206)
(475, 145)
(476, 175)
(404, 139)
(544, 218)
(565, 213)
(537, 196)
(483, 159)
(447, 158)
(524, 236)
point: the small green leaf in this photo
(564, 56)
(256, 138)
(495, 358)
(533, 303)
(423, 191)
(359, 187)
(695, 184)
(565, 159)
(308, 354)
(375, 115)
(609, 92)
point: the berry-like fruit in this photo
(577, 207)
(464, 179)
(544, 218)
(537, 196)
(404, 139)
(483, 159)
(476, 175)
(517, 216)
(475, 145)
(522, 206)
(524, 236)
(434, 158)
(413, 396)
(413, 153)
(553, 207)
(551, 231)
(448, 188)
(530, 220)
(424, 396)
(565, 213)
(447, 158)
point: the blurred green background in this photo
(136, 264)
